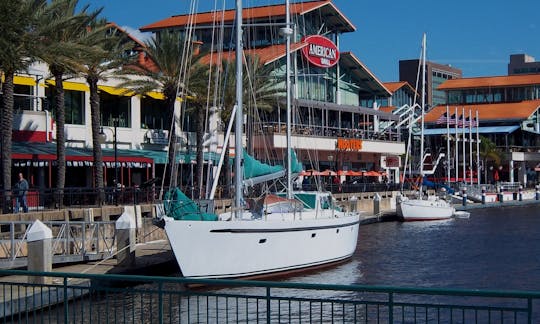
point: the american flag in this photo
(474, 122)
(443, 119)
(460, 121)
(452, 120)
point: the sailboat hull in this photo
(423, 210)
(228, 249)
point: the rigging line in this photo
(184, 78)
(218, 52)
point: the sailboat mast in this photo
(288, 32)
(423, 107)
(238, 130)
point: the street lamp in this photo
(102, 139)
(115, 145)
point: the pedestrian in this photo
(20, 190)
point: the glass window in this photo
(74, 105)
(154, 114)
(115, 107)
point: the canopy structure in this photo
(482, 130)
(40, 154)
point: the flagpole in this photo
(464, 139)
(457, 145)
(478, 147)
(470, 146)
(447, 145)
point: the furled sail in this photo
(256, 172)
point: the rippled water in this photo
(496, 248)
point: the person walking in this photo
(21, 188)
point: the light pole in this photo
(115, 145)
(102, 140)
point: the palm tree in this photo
(261, 93)
(18, 41)
(166, 73)
(106, 46)
(489, 152)
(62, 29)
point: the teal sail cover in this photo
(296, 166)
(178, 206)
(256, 172)
(254, 168)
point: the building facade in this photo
(523, 64)
(503, 109)
(328, 112)
(436, 74)
(332, 130)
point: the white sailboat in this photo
(301, 230)
(431, 208)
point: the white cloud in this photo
(143, 37)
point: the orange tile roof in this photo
(394, 86)
(489, 112)
(387, 109)
(491, 82)
(247, 13)
(266, 54)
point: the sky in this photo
(476, 36)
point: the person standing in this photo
(21, 188)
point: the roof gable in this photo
(228, 16)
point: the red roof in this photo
(489, 112)
(247, 13)
(491, 82)
(266, 55)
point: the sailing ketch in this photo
(420, 209)
(303, 229)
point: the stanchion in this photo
(501, 197)
(464, 195)
(537, 192)
(520, 193)
(483, 195)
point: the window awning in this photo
(24, 80)
(482, 130)
(69, 85)
(116, 91)
(160, 157)
(44, 152)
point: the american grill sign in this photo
(320, 51)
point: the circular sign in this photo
(320, 51)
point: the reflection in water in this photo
(493, 249)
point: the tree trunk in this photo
(60, 138)
(96, 144)
(7, 128)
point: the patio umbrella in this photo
(328, 173)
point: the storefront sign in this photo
(157, 136)
(392, 161)
(349, 144)
(320, 51)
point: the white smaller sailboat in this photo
(431, 208)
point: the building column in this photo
(511, 170)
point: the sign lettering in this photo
(349, 144)
(320, 51)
